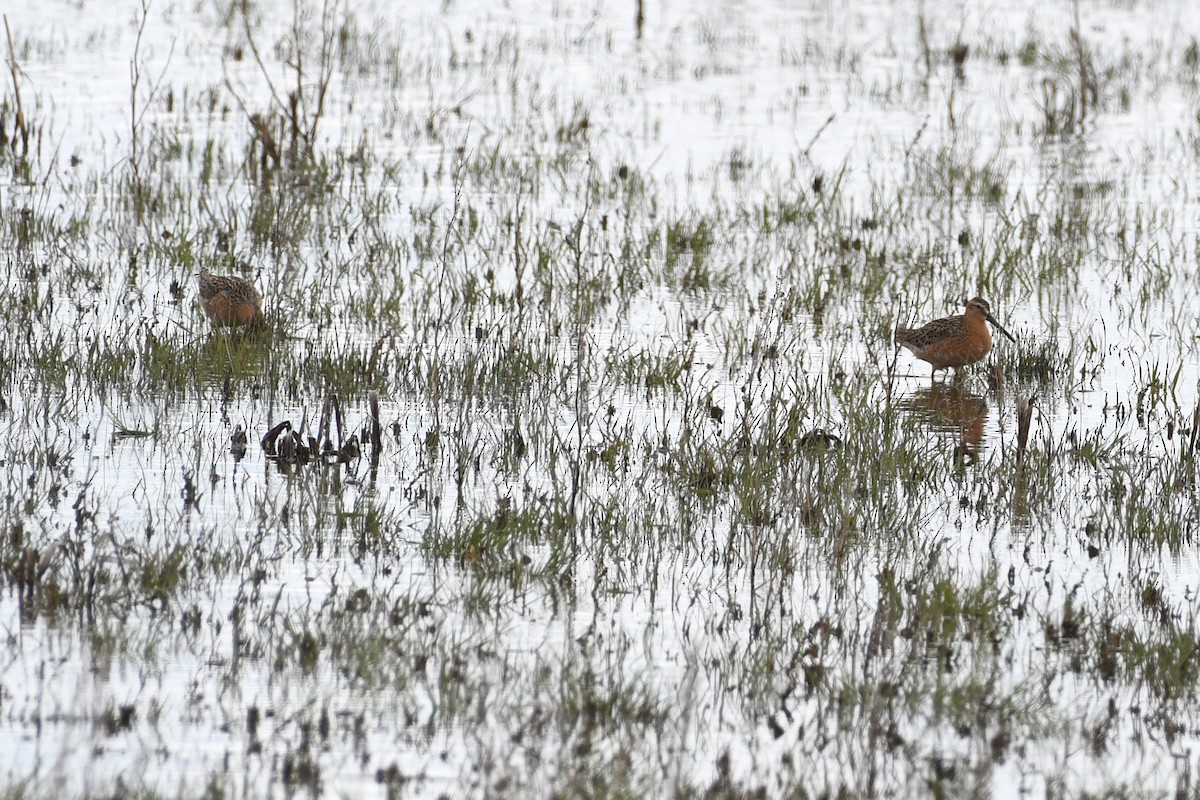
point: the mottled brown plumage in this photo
(953, 341)
(229, 301)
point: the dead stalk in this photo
(1081, 57)
(1024, 416)
(13, 70)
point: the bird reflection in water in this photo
(952, 409)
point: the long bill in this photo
(1000, 328)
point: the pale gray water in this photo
(708, 84)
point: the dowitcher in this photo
(953, 341)
(229, 301)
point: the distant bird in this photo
(229, 301)
(953, 341)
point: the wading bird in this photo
(953, 341)
(229, 301)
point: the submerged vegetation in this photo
(574, 457)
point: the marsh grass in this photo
(654, 512)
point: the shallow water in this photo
(719, 105)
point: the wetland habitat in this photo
(574, 457)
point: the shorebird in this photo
(953, 341)
(229, 301)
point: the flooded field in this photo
(575, 456)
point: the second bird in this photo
(229, 301)
(953, 341)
